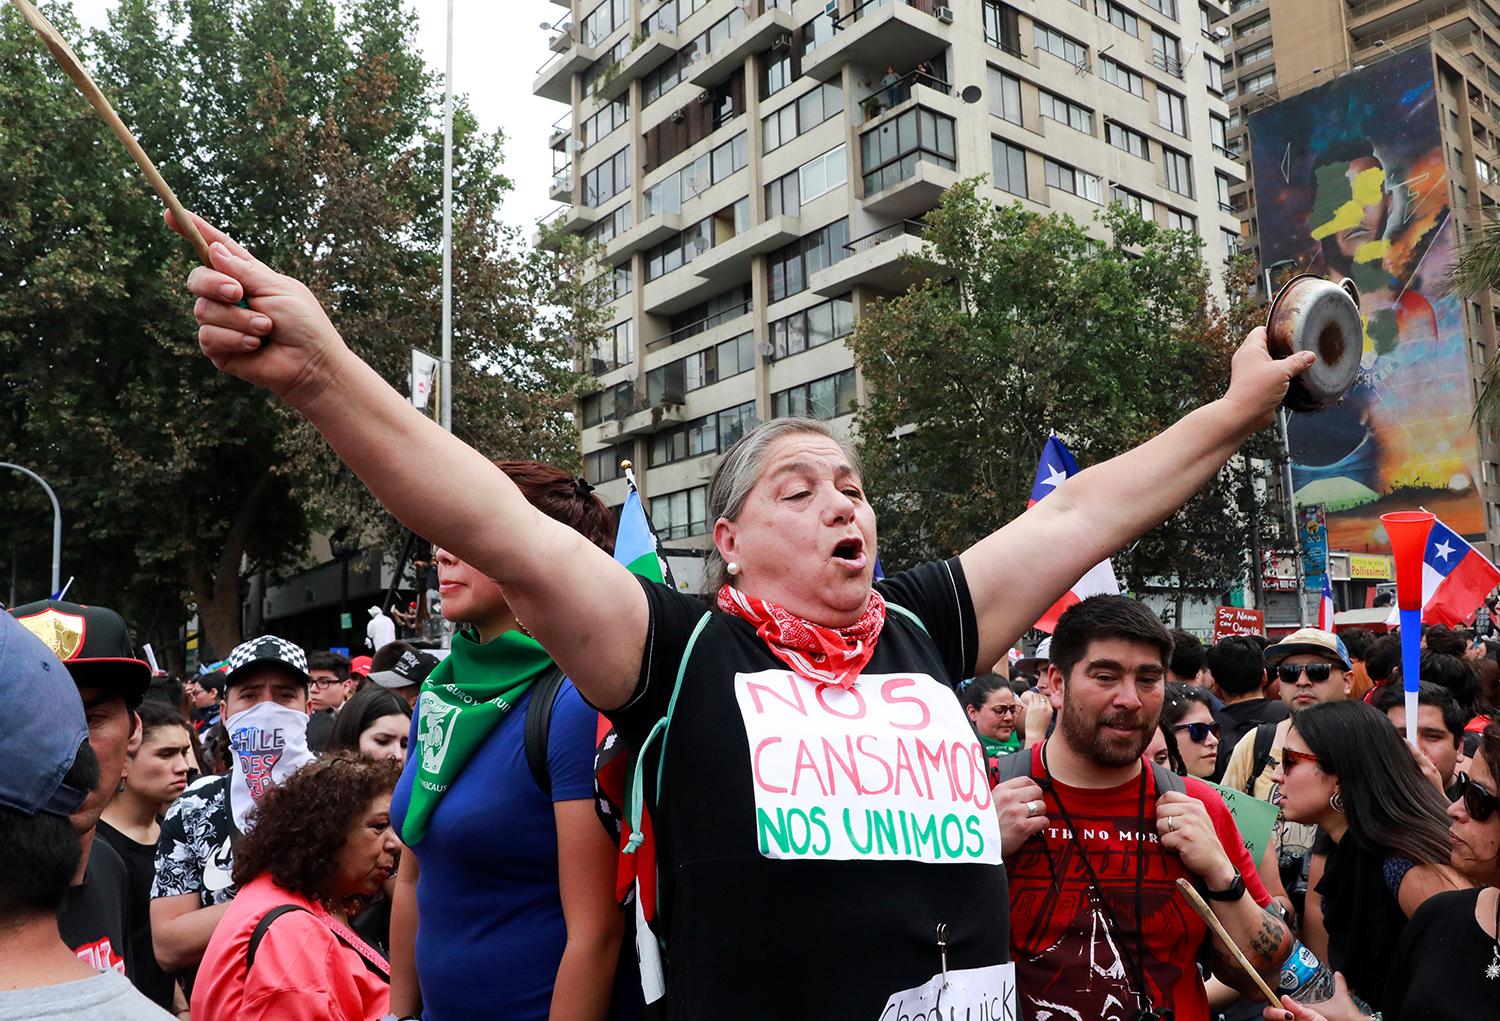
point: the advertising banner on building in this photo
(1312, 533)
(1350, 181)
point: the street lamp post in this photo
(56, 523)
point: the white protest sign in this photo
(887, 770)
(424, 370)
(973, 994)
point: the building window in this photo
(601, 21)
(676, 252)
(1257, 83)
(1060, 45)
(1132, 141)
(1182, 221)
(790, 268)
(1010, 166)
(776, 73)
(713, 433)
(1171, 111)
(607, 180)
(609, 117)
(812, 327)
(1179, 169)
(610, 226)
(818, 176)
(604, 465)
(1002, 26)
(670, 383)
(1166, 7)
(619, 280)
(681, 514)
(1005, 96)
(1255, 53)
(1223, 184)
(1231, 244)
(1118, 17)
(1218, 131)
(1120, 76)
(1056, 108)
(804, 114)
(822, 399)
(890, 153)
(1078, 182)
(1138, 204)
(1214, 70)
(668, 194)
(704, 316)
(608, 405)
(614, 347)
(1254, 27)
(1166, 52)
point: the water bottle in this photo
(1305, 978)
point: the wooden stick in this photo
(1206, 913)
(70, 63)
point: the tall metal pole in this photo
(446, 397)
(1291, 516)
(56, 524)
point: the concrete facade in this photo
(754, 174)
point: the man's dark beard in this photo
(1082, 736)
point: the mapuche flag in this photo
(1456, 578)
(1055, 467)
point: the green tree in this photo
(1025, 324)
(311, 132)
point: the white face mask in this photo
(268, 743)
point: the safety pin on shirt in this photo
(942, 943)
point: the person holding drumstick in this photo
(800, 833)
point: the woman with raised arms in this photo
(787, 887)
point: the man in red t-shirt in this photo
(1097, 926)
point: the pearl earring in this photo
(733, 568)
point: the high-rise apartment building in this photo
(755, 171)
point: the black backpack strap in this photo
(1265, 734)
(1166, 780)
(539, 725)
(261, 927)
(1016, 764)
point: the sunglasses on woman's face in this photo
(1316, 672)
(1478, 802)
(1290, 758)
(1198, 732)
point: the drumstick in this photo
(1207, 914)
(70, 63)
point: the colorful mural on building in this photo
(1350, 181)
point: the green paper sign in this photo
(346, 621)
(1254, 818)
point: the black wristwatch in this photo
(1233, 892)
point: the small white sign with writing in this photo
(973, 994)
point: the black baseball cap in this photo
(92, 642)
(399, 665)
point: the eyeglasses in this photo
(1198, 732)
(1003, 711)
(1290, 758)
(1316, 672)
(324, 682)
(1478, 802)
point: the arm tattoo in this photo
(1266, 944)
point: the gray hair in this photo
(741, 468)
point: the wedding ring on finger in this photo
(1034, 809)
(1171, 824)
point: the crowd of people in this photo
(841, 798)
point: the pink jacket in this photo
(303, 970)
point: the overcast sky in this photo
(497, 48)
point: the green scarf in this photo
(462, 701)
(999, 749)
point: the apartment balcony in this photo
(644, 421)
(649, 233)
(577, 218)
(1384, 19)
(722, 264)
(554, 79)
(562, 131)
(758, 35)
(915, 193)
(881, 260)
(561, 189)
(884, 33)
(547, 226)
(650, 53)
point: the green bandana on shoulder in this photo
(462, 701)
(996, 749)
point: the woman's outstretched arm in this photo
(584, 608)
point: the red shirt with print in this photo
(1071, 963)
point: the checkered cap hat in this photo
(267, 649)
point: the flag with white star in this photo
(1456, 578)
(1055, 467)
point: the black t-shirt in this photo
(94, 918)
(140, 958)
(1439, 971)
(803, 872)
(1241, 718)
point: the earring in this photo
(1336, 802)
(120, 787)
(733, 568)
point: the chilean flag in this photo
(1325, 606)
(1456, 578)
(1055, 466)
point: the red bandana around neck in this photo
(824, 654)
